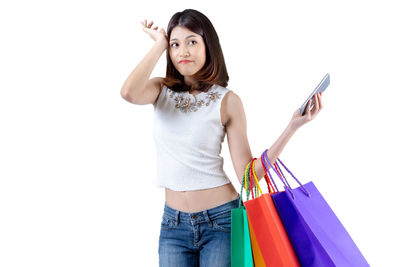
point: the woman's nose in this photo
(184, 51)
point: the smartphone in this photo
(320, 88)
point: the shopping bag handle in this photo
(301, 185)
(286, 185)
(253, 176)
(244, 184)
(265, 159)
(268, 179)
(268, 173)
(249, 172)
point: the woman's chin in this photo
(187, 73)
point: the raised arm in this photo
(236, 130)
(137, 88)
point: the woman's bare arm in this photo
(137, 87)
(236, 129)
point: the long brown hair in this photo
(214, 70)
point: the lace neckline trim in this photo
(187, 102)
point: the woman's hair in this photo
(214, 70)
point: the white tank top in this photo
(188, 135)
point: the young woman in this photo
(193, 112)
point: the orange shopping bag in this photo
(257, 256)
(270, 243)
(258, 260)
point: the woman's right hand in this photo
(158, 36)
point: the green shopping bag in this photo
(241, 253)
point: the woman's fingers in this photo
(316, 96)
(310, 113)
(149, 25)
(320, 101)
(318, 106)
(145, 23)
(308, 108)
(309, 104)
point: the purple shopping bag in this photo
(316, 234)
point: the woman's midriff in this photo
(199, 200)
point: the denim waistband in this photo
(201, 216)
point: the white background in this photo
(78, 161)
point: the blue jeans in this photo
(196, 239)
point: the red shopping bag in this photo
(267, 233)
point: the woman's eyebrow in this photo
(185, 38)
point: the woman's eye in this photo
(172, 45)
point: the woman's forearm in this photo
(136, 81)
(295, 123)
(275, 150)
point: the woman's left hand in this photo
(298, 120)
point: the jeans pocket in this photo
(223, 222)
(168, 222)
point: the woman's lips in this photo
(185, 61)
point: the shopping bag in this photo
(257, 255)
(316, 234)
(255, 248)
(268, 230)
(241, 253)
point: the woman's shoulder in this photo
(231, 104)
(228, 93)
(221, 89)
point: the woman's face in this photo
(187, 51)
